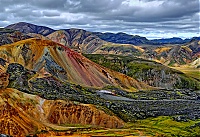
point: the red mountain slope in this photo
(65, 64)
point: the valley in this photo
(190, 71)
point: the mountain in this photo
(194, 45)
(174, 40)
(175, 55)
(101, 43)
(196, 38)
(56, 60)
(122, 38)
(120, 49)
(77, 39)
(86, 42)
(53, 71)
(8, 36)
(150, 72)
(172, 55)
(30, 28)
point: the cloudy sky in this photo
(150, 18)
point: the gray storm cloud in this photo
(162, 17)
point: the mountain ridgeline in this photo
(77, 39)
(123, 38)
(30, 28)
(120, 38)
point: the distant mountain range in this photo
(121, 38)
(171, 51)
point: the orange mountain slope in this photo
(65, 64)
(23, 114)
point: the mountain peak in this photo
(25, 27)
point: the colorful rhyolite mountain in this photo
(80, 40)
(85, 42)
(172, 55)
(65, 64)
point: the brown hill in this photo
(30, 28)
(78, 39)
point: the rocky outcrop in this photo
(62, 112)
(4, 80)
(15, 123)
(159, 78)
(15, 114)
